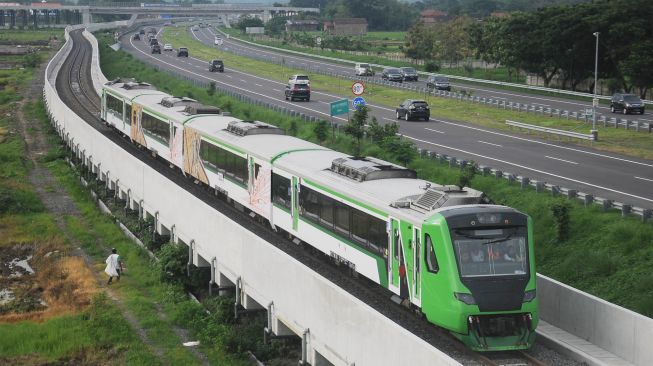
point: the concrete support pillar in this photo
(57, 16)
(2, 18)
(25, 15)
(12, 18)
(35, 18)
(47, 17)
(86, 17)
(191, 248)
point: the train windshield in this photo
(491, 252)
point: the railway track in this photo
(75, 88)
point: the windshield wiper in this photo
(501, 240)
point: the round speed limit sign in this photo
(358, 88)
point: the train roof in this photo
(381, 186)
(129, 88)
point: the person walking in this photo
(114, 266)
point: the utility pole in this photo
(595, 100)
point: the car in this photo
(167, 47)
(142, 31)
(299, 79)
(392, 74)
(626, 103)
(438, 82)
(409, 73)
(413, 108)
(156, 49)
(217, 41)
(363, 70)
(298, 90)
(154, 42)
(137, 37)
(195, 28)
(182, 52)
(216, 65)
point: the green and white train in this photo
(468, 266)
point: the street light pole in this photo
(595, 100)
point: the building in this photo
(432, 16)
(346, 27)
(302, 25)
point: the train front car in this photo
(480, 276)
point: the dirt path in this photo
(59, 203)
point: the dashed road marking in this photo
(563, 160)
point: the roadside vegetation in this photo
(597, 252)
(610, 139)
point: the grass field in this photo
(613, 140)
(604, 254)
(42, 34)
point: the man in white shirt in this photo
(114, 266)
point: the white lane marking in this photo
(277, 90)
(229, 76)
(650, 180)
(545, 143)
(233, 86)
(566, 161)
(259, 85)
(243, 80)
(489, 143)
(531, 169)
(390, 119)
(543, 105)
(495, 97)
(430, 129)
(323, 102)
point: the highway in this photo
(607, 175)
(207, 36)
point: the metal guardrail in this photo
(554, 131)
(455, 77)
(637, 126)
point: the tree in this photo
(276, 26)
(379, 132)
(402, 150)
(356, 127)
(637, 68)
(466, 175)
(248, 21)
(321, 131)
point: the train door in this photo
(395, 252)
(295, 203)
(417, 270)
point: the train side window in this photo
(114, 105)
(128, 114)
(326, 211)
(281, 190)
(309, 201)
(431, 260)
(342, 218)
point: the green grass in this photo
(610, 139)
(97, 335)
(605, 254)
(41, 34)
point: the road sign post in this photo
(358, 103)
(337, 108)
(358, 88)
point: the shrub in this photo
(560, 212)
(432, 66)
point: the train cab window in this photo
(431, 260)
(281, 193)
(491, 252)
(114, 105)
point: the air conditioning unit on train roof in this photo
(368, 168)
(135, 85)
(193, 109)
(170, 102)
(248, 128)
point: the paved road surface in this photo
(612, 176)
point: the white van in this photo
(363, 69)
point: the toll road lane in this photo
(518, 155)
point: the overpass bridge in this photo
(13, 15)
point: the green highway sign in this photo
(339, 107)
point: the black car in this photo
(298, 90)
(216, 65)
(412, 108)
(154, 41)
(156, 49)
(626, 103)
(438, 82)
(142, 31)
(409, 73)
(392, 74)
(137, 37)
(182, 52)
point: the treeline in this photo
(555, 41)
(400, 15)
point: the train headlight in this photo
(529, 296)
(466, 298)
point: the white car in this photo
(217, 41)
(167, 47)
(299, 79)
(363, 70)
